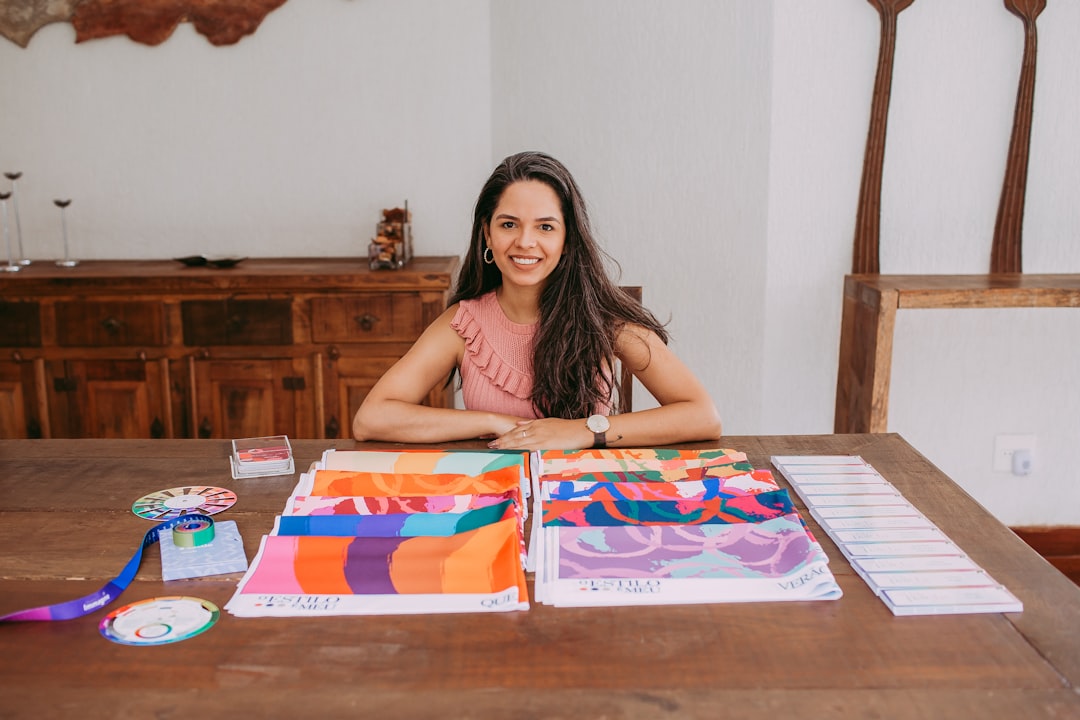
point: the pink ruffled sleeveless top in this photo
(496, 371)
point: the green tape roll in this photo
(193, 533)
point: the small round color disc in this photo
(172, 503)
(158, 621)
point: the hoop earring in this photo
(489, 256)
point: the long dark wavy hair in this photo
(582, 310)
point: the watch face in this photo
(598, 423)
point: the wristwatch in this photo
(599, 425)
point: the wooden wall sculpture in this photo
(1006, 251)
(865, 258)
(20, 19)
(222, 22)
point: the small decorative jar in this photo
(391, 247)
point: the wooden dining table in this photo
(66, 528)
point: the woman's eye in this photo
(507, 224)
(546, 228)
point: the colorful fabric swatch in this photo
(672, 464)
(698, 472)
(378, 484)
(394, 524)
(735, 486)
(772, 549)
(360, 505)
(425, 462)
(600, 513)
(485, 560)
(658, 527)
(395, 533)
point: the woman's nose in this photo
(526, 239)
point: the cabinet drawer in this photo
(237, 322)
(103, 324)
(20, 324)
(363, 318)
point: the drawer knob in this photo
(111, 324)
(17, 356)
(333, 352)
(333, 428)
(141, 356)
(65, 384)
(293, 382)
(366, 321)
(236, 323)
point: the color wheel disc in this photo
(158, 621)
(168, 504)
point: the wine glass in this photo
(11, 266)
(13, 176)
(67, 261)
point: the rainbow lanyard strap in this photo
(112, 589)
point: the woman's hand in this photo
(545, 434)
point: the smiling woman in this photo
(534, 329)
(526, 239)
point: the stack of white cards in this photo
(261, 457)
(904, 558)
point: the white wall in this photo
(719, 145)
(287, 143)
(959, 377)
(657, 109)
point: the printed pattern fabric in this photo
(772, 549)
(423, 461)
(758, 481)
(477, 561)
(395, 524)
(668, 474)
(666, 526)
(374, 533)
(555, 463)
(725, 511)
(378, 484)
(360, 505)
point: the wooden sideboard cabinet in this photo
(155, 349)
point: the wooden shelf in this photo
(154, 349)
(869, 317)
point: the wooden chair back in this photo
(625, 400)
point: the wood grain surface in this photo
(67, 527)
(869, 316)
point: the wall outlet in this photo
(1005, 446)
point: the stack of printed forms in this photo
(665, 527)
(905, 559)
(395, 532)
